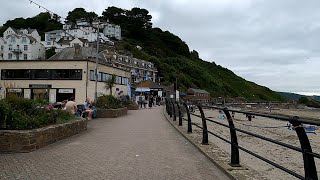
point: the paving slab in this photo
(140, 145)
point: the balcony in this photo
(16, 50)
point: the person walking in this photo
(150, 101)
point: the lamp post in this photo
(96, 67)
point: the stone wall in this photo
(12, 141)
(133, 107)
(111, 113)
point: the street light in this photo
(97, 60)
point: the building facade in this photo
(1, 48)
(59, 79)
(197, 95)
(23, 44)
(140, 69)
(112, 30)
(84, 32)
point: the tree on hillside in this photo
(43, 22)
(80, 13)
(115, 15)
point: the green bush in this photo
(108, 102)
(19, 114)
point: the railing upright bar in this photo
(189, 118)
(167, 106)
(180, 116)
(174, 111)
(310, 169)
(204, 127)
(170, 108)
(235, 162)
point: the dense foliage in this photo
(80, 13)
(108, 102)
(17, 113)
(43, 22)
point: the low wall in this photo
(111, 113)
(12, 141)
(133, 107)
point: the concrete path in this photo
(141, 145)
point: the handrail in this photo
(306, 150)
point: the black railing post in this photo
(170, 108)
(310, 169)
(174, 112)
(189, 118)
(204, 127)
(166, 106)
(235, 162)
(180, 116)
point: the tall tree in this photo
(80, 13)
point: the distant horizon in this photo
(307, 93)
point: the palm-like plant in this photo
(110, 83)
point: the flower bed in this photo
(12, 141)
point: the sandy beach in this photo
(285, 157)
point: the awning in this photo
(144, 89)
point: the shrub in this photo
(18, 113)
(108, 102)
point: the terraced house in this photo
(22, 44)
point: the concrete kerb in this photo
(217, 156)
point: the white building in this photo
(1, 47)
(66, 42)
(22, 44)
(89, 33)
(111, 30)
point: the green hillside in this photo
(170, 54)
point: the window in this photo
(9, 56)
(25, 47)
(10, 47)
(1, 47)
(99, 76)
(40, 74)
(66, 74)
(13, 39)
(92, 76)
(25, 56)
(24, 39)
(74, 74)
(48, 43)
(15, 74)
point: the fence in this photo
(174, 108)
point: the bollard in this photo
(180, 117)
(189, 118)
(204, 127)
(235, 162)
(310, 169)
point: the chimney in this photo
(77, 51)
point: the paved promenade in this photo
(141, 145)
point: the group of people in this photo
(150, 100)
(71, 107)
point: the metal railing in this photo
(310, 170)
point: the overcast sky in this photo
(274, 43)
